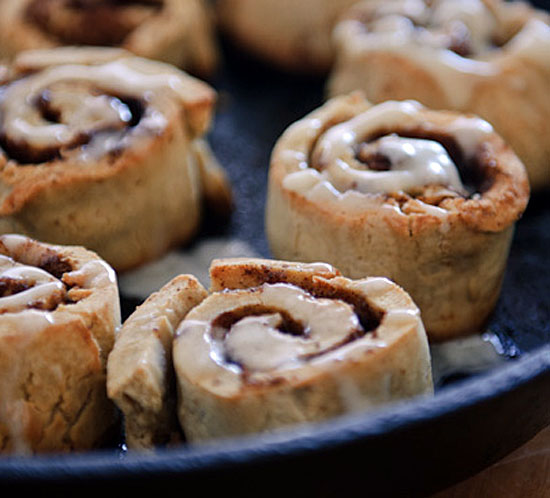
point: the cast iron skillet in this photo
(408, 449)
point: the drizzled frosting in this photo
(462, 26)
(336, 169)
(253, 336)
(79, 100)
(28, 288)
(33, 287)
(257, 343)
(260, 341)
(452, 40)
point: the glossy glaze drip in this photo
(25, 287)
(453, 41)
(25, 265)
(339, 167)
(94, 108)
(260, 341)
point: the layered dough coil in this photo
(277, 344)
(179, 32)
(272, 344)
(106, 150)
(488, 57)
(293, 35)
(140, 374)
(59, 309)
(426, 198)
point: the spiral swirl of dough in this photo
(409, 163)
(249, 349)
(179, 32)
(106, 150)
(427, 198)
(86, 105)
(370, 153)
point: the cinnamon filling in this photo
(63, 106)
(39, 287)
(12, 287)
(285, 325)
(369, 320)
(475, 172)
(288, 324)
(91, 22)
(55, 265)
(369, 317)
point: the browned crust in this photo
(243, 273)
(495, 209)
(22, 184)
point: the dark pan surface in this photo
(408, 449)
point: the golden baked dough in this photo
(179, 32)
(59, 309)
(140, 378)
(294, 35)
(490, 58)
(279, 343)
(106, 150)
(426, 198)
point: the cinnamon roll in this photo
(179, 32)
(487, 57)
(426, 198)
(106, 150)
(140, 378)
(293, 35)
(279, 343)
(59, 309)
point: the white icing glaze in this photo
(83, 112)
(336, 175)
(414, 162)
(423, 35)
(469, 132)
(43, 286)
(257, 344)
(93, 274)
(23, 254)
(532, 42)
(473, 14)
(255, 350)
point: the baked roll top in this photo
(278, 343)
(426, 198)
(97, 143)
(179, 32)
(487, 57)
(295, 36)
(59, 309)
